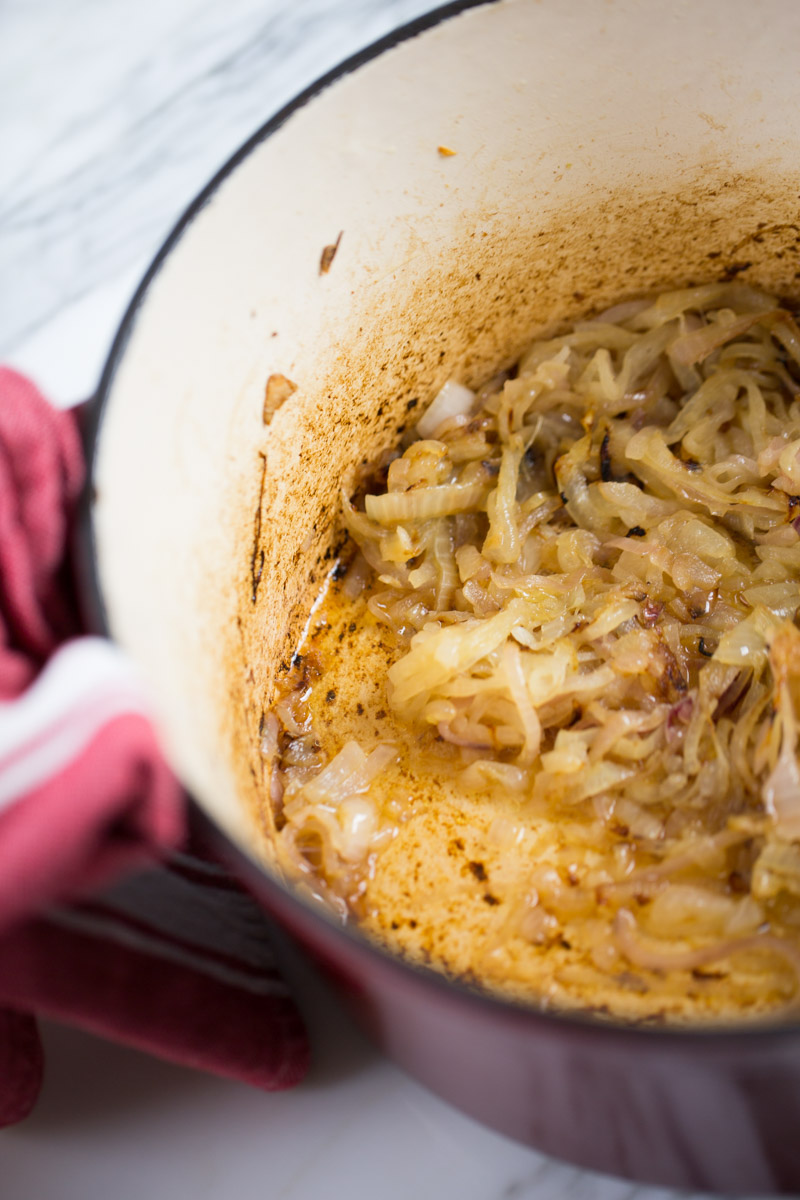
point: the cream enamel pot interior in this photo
(602, 148)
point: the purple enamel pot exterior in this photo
(716, 1112)
(602, 150)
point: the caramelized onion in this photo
(591, 579)
(648, 954)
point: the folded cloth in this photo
(107, 920)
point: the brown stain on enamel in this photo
(276, 393)
(512, 275)
(328, 255)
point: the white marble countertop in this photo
(114, 113)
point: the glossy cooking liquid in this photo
(461, 879)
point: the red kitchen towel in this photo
(106, 920)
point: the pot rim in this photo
(90, 593)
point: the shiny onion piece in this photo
(593, 574)
(453, 400)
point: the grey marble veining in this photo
(115, 113)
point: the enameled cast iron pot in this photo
(602, 147)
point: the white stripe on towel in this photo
(85, 684)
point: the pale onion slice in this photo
(348, 774)
(502, 543)
(518, 689)
(655, 957)
(438, 655)
(781, 794)
(452, 400)
(776, 870)
(485, 772)
(693, 347)
(424, 503)
(782, 599)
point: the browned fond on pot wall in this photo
(465, 314)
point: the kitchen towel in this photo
(108, 918)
